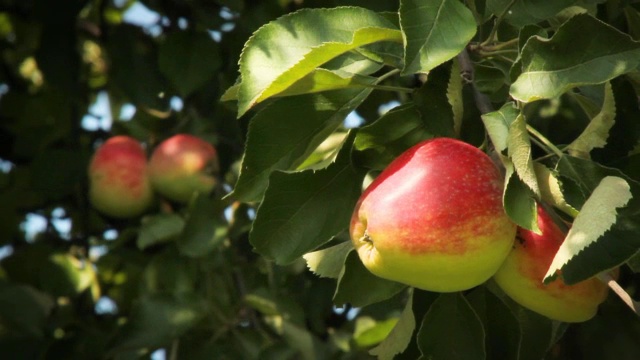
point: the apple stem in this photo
(622, 294)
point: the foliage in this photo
(262, 267)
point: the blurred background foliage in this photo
(77, 285)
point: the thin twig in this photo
(622, 294)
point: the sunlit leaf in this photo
(328, 262)
(583, 51)
(399, 338)
(597, 132)
(551, 190)
(435, 31)
(596, 217)
(519, 150)
(288, 49)
(498, 123)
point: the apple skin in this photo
(118, 183)
(433, 219)
(182, 165)
(522, 273)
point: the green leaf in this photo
(552, 191)
(329, 262)
(158, 229)
(526, 12)
(435, 31)
(285, 133)
(359, 287)
(169, 274)
(324, 80)
(498, 123)
(157, 320)
(519, 150)
(400, 337)
(454, 95)
(451, 329)
(597, 132)
(620, 242)
(24, 310)
(289, 48)
(56, 173)
(374, 334)
(583, 51)
(394, 132)
(302, 211)
(503, 334)
(519, 201)
(596, 217)
(189, 60)
(204, 228)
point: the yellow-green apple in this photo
(118, 182)
(522, 273)
(433, 219)
(182, 165)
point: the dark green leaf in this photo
(158, 229)
(204, 229)
(285, 133)
(189, 60)
(302, 211)
(57, 173)
(24, 310)
(451, 329)
(519, 201)
(435, 31)
(359, 287)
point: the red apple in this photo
(118, 181)
(183, 165)
(434, 219)
(523, 271)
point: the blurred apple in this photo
(118, 182)
(183, 165)
(523, 271)
(434, 219)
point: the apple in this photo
(118, 182)
(522, 273)
(433, 219)
(183, 165)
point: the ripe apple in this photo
(521, 275)
(434, 219)
(118, 183)
(182, 165)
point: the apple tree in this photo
(305, 103)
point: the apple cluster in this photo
(434, 220)
(122, 181)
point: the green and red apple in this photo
(183, 165)
(118, 182)
(521, 277)
(434, 219)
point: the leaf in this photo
(435, 31)
(359, 287)
(498, 123)
(519, 201)
(285, 133)
(289, 48)
(454, 95)
(399, 337)
(596, 217)
(583, 51)
(329, 262)
(597, 132)
(159, 229)
(451, 330)
(551, 190)
(526, 12)
(519, 150)
(394, 132)
(189, 60)
(324, 80)
(366, 336)
(204, 229)
(24, 310)
(503, 334)
(302, 211)
(157, 320)
(620, 242)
